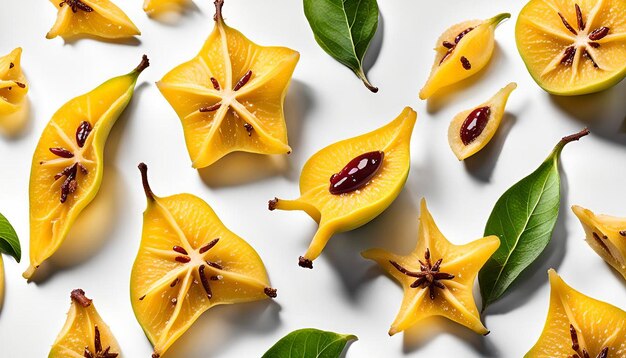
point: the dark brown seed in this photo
(142, 297)
(568, 56)
(270, 292)
(64, 172)
(599, 33)
(180, 250)
(465, 62)
(574, 335)
(588, 56)
(78, 295)
(61, 152)
(66, 186)
(594, 44)
(567, 25)
(357, 173)
(243, 80)
(87, 353)
(248, 128)
(205, 282)
(448, 45)
(11, 65)
(604, 353)
(210, 108)
(215, 265)
(579, 18)
(216, 84)
(623, 232)
(306, 263)
(462, 34)
(475, 124)
(209, 246)
(82, 132)
(601, 243)
(182, 259)
(174, 282)
(96, 340)
(20, 84)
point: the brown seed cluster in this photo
(429, 275)
(216, 85)
(451, 46)
(76, 5)
(570, 52)
(582, 353)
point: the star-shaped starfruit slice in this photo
(13, 90)
(437, 277)
(349, 183)
(99, 18)
(230, 96)
(188, 262)
(579, 326)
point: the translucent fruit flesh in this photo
(230, 96)
(336, 213)
(573, 48)
(578, 324)
(65, 175)
(188, 262)
(494, 114)
(13, 90)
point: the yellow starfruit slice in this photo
(579, 326)
(606, 235)
(437, 277)
(230, 96)
(84, 334)
(156, 7)
(13, 90)
(188, 262)
(99, 18)
(461, 51)
(366, 175)
(67, 165)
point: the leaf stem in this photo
(575, 136)
(366, 82)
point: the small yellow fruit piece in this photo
(188, 262)
(437, 277)
(13, 90)
(1, 281)
(579, 326)
(155, 7)
(606, 235)
(462, 51)
(230, 96)
(67, 165)
(471, 130)
(84, 334)
(100, 18)
(573, 47)
(347, 211)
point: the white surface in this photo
(326, 102)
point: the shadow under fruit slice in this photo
(437, 277)
(230, 96)
(606, 235)
(84, 334)
(573, 48)
(461, 51)
(13, 89)
(349, 183)
(67, 166)
(188, 262)
(471, 130)
(100, 18)
(579, 326)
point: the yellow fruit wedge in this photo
(13, 90)
(573, 47)
(579, 326)
(1, 281)
(453, 269)
(462, 51)
(67, 166)
(606, 235)
(188, 262)
(99, 18)
(156, 7)
(84, 334)
(230, 96)
(366, 175)
(471, 130)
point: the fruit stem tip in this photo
(305, 263)
(270, 292)
(575, 136)
(145, 62)
(143, 168)
(218, 10)
(78, 296)
(271, 205)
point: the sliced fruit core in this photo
(79, 297)
(428, 276)
(451, 46)
(474, 124)
(76, 5)
(582, 352)
(357, 173)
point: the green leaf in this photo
(344, 29)
(523, 218)
(310, 343)
(9, 243)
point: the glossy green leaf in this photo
(344, 29)
(9, 242)
(523, 218)
(310, 343)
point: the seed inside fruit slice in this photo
(573, 47)
(188, 262)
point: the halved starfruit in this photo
(230, 96)
(606, 235)
(13, 90)
(573, 47)
(67, 165)
(99, 18)
(462, 51)
(366, 175)
(84, 334)
(579, 326)
(188, 262)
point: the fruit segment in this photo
(573, 47)
(155, 7)
(84, 334)
(462, 51)
(99, 18)
(188, 262)
(579, 326)
(606, 235)
(13, 90)
(230, 96)
(67, 165)
(366, 175)
(471, 130)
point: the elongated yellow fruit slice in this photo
(13, 90)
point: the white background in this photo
(325, 103)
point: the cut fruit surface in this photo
(100, 18)
(67, 165)
(350, 209)
(230, 96)
(188, 262)
(579, 326)
(437, 277)
(573, 47)
(13, 89)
